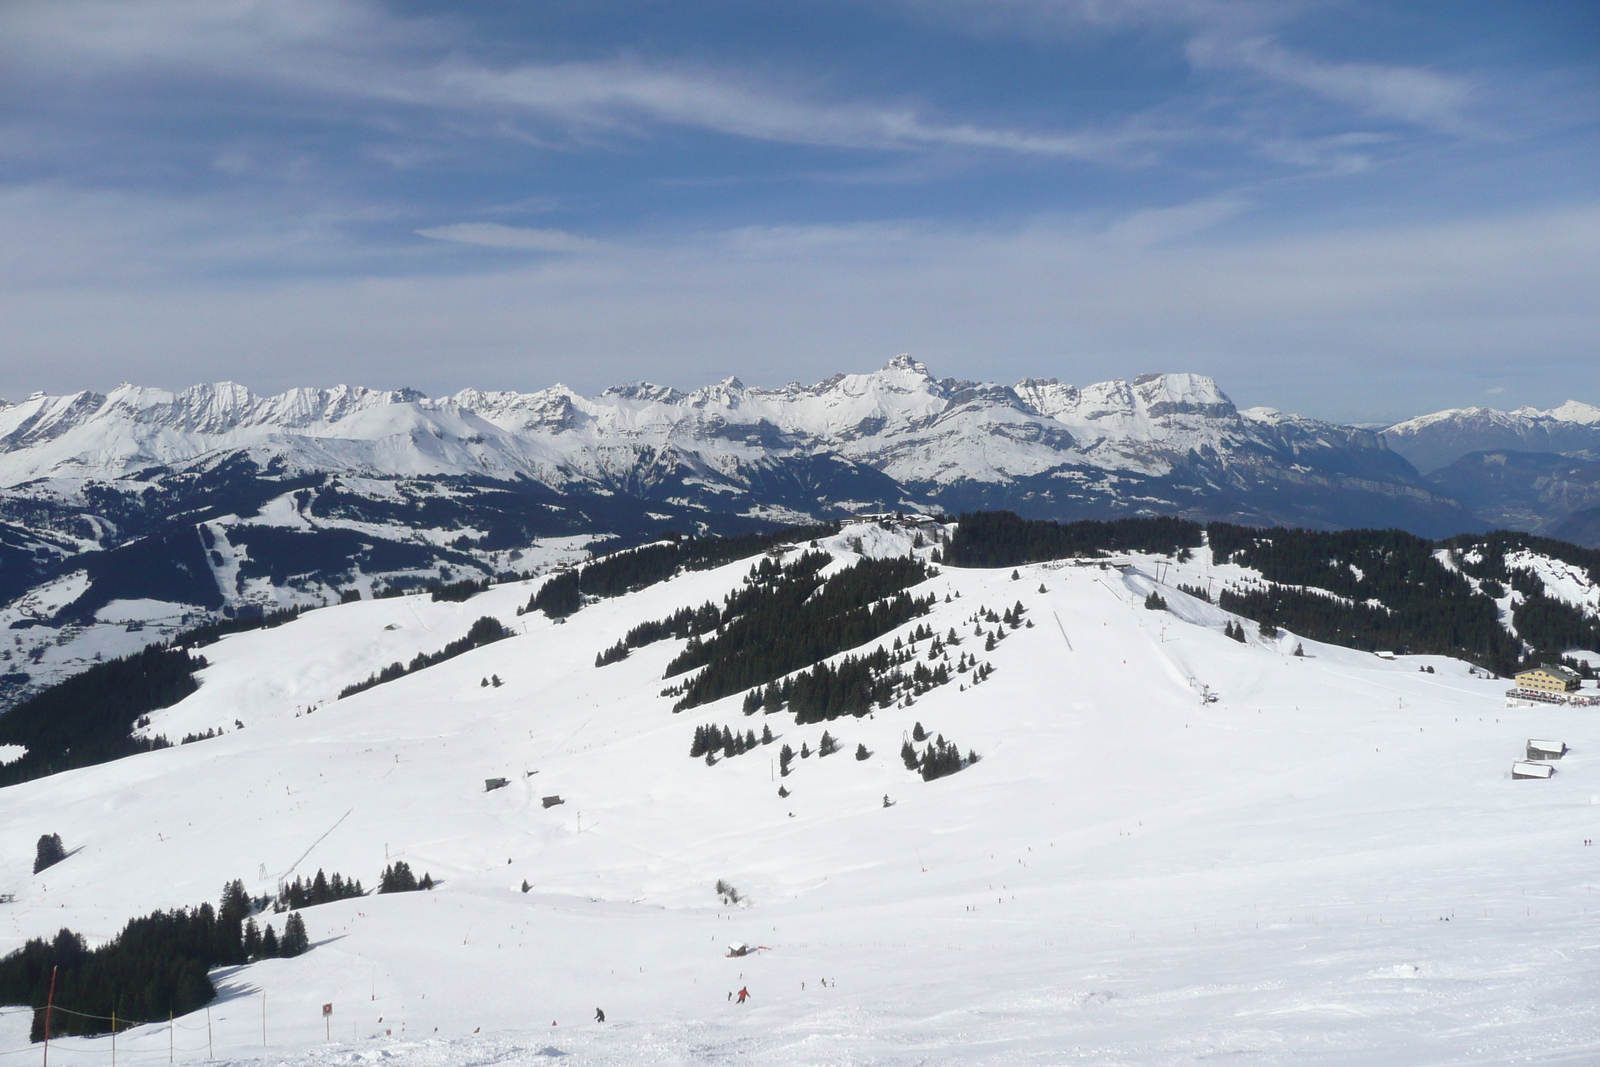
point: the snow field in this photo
(1128, 875)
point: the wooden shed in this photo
(1531, 769)
(1539, 749)
(491, 784)
(551, 802)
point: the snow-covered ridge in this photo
(899, 420)
(1574, 411)
(1440, 438)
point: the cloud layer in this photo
(1347, 208)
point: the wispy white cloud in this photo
(353, 51)
(496, 235)
(1409, 94)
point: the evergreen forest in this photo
(633, 569)
(155, 967)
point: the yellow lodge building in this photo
(1549, 679)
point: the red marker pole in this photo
(49, 1006)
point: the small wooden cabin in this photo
(1531, 769)
(491, 784)
(551, 802)
(1539, 749)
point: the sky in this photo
(1354, 210)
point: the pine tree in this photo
(252, 940)
(908, 755)
(1299, 649)
(783, 791)
(826, 745)
(50, 852)
(805, 750)
(766, 734)
(235, 905)
(1155, 601)
(785, 757)
(269, 944)
(294, 940)
(862, 753)
(397, 878)
(918, 733)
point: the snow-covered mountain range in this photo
(143, 506)
(897, 437)
(1524, 470)
(1437, 440)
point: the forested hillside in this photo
(1487, 598)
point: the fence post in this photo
(209, 1054)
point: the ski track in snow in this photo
(1127, 876)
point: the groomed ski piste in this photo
(1328, 864)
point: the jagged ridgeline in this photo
(1366, 589)
(634, 569)
(788, 617)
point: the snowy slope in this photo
(1128, 875)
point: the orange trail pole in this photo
(49, 1006)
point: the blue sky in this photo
(1353, 210)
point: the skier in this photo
(599, 1016)
(743, 994)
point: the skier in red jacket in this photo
(743, 993)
